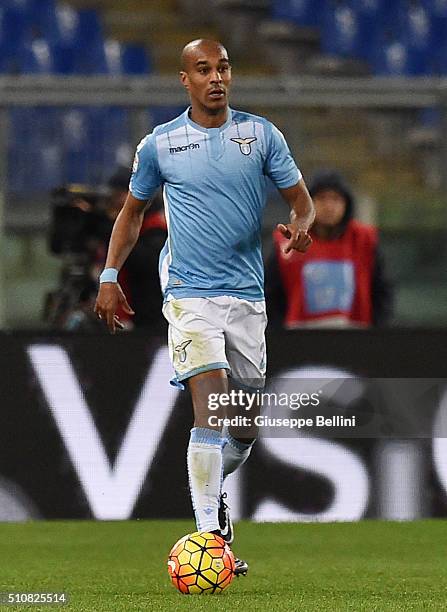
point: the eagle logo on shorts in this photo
(244, 144)
(181, 350)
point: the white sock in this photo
(205, 476)
(234, 453)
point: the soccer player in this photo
(212, 162)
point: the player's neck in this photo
(205, 119)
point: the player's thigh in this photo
(245, 343)
(196, 342)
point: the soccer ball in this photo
(201, 563)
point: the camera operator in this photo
(79, 227)
(82, 222)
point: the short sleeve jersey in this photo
(214, 187)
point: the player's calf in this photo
(205, 471)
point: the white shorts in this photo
(217, 332)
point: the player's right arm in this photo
(145, 180)
(124, 236)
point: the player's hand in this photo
(110, 298)
(298, 238)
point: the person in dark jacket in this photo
(139, 276)
(341, 280)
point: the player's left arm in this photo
(302, 215)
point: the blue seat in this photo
(36, 57)
(341, 30)
(35, 151)
(110, 140)
(418, 35)
(65, 39)
(64, 59)
(42, 15)
(19, 149)
(135, 60)
(95, 139)
(75, 145)
(392, 59)
(89, 55)
(64, 27)
(22, 7)
(392, 13)
(380, 22)
(91, 59)
(13, 28)
(301, 12)
(439, 65)
(405, 43)
(112, 58)
(371, 17)
(437, 9)
(90, 27)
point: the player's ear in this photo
(184, 79)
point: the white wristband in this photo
(109, 275)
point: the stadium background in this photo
(354, 84)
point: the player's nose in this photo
(216, 77)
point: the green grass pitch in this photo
(121, 566)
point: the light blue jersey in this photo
(214, 187)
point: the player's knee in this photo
(244, 436)
(206, 422)
(250, 441)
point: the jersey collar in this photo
(196, 126)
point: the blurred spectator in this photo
(139, 277)
(340, 281)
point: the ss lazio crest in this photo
(244, 144)
(181, 350)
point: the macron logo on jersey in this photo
(173, 150)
